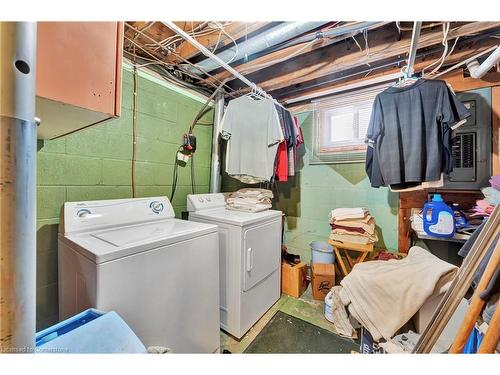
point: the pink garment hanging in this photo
(298, 130)
(282, 163)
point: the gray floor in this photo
(287, 334)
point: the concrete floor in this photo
(304, 308)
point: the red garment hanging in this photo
(282, 163)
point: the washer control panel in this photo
(82, 216)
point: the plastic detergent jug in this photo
(438, 218)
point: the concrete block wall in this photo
(95, 163)
(308, 198)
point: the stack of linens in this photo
(250, 200)
(353, 225)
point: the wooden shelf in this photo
(416, 199)
(458, 237)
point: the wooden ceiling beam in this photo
(456, 57)
(336, 58)
(273, 58)
(467, 48)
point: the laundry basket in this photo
(321, 252)
(91, 331)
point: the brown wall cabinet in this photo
(78, 81)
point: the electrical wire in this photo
(187, 73)
(193, 181)
(204, 109)
(445, 54)
(192, 75)
(134, 131)
(366, 44)
(293, 54)
(180, 57)
(175, 176)
(232, 39)
(174, 39)
(423, 27)
(446, 29)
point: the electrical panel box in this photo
(471, 143)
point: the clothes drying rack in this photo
(255, 89)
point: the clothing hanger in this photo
(405, 79)
(254, 92)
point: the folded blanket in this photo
(248, 204)
(252, 193)
(348, 213)
(348, 229)
(250, 200)
(257, 208)
(384, 295)
(353, 238)
(371, 237)
(367, 224)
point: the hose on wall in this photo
(204, 109)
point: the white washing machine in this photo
(250, 259)
(160, 274)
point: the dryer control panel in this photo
(198, 202)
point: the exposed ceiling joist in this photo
(430, 55)
(281, 55)
(335, 58)
(457, 56)
(236, 30)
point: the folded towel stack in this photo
(250, 200)
(353, 225)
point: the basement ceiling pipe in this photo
(351, 28)
(479, 70)
(268, 38)
(18, 182)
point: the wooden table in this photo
(345, 247)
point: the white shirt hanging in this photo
(254, 132)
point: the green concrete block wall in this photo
(95, 163)
(308, 198)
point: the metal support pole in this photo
(415, 36)
(215, 170)
(17, 187)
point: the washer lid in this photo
(240, 218)
(113, 243)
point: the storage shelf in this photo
(458, 237)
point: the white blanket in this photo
(384, 295)
(348, 213)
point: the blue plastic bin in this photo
(91, 331)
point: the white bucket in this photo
(321, 252)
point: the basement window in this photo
(341, 126)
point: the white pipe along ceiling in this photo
(477, 71)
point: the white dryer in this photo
(160, 274)
(250, 259)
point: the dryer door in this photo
(261, 252)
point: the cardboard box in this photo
(294, 279)
(323, 279)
